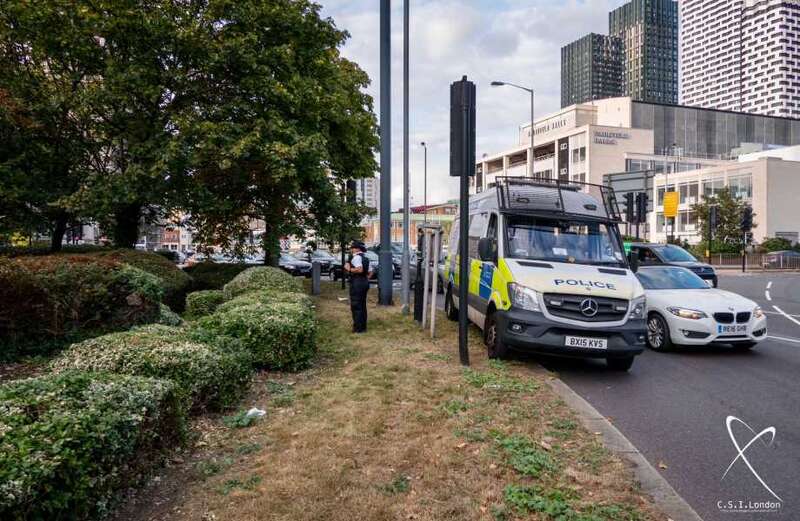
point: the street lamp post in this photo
(529, 91)
(425, 183)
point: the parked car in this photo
(324, 258)
(683, 310)
(397, 256)
(294, 266)
(782, 259)
(670, 255)
(439, 272)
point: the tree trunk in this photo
(126, 225)
(270, 242)
(59, 229)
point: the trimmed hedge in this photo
(174, 281)
(202, 303)
(209, 377)
(68, 442)
(168, 317)
(263, 277)
(278, 335)
(210, 275)
(51, 300)
(267, 297)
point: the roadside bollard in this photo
(316, 275)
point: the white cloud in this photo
(512, 40)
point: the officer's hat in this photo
(358, 245)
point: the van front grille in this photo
(582, 307)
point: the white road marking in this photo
(784, 339)
(779, 310)
(769, 284)
(776, 313)
(769, 297)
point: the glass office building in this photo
(712, 134)
(591, 69)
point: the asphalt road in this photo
(673, 407)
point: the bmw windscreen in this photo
(555, 240)
(670, 278)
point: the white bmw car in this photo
(683, 310)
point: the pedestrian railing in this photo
(756, 261)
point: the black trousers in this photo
(358, 303)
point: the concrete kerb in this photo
(652, 482)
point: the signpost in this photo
(671, 200)
(462, 165)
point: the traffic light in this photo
(629, 208)
(746, 223)
(641, 207)
(713, 217)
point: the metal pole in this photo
(437, 239)
(425, 184)
(406, 179)
(463, 242)
(426, 260)
(385, 258)
(532, 128)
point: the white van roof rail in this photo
(574, 198)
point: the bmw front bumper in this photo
(684, 331)
(530, 331)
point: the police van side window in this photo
(477, 224)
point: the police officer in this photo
(358, 268)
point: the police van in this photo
(548, 272)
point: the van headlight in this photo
(758, 312)
(691, 314)
(523, 297)
(638, 308)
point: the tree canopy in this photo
(727, 235)
(228, 112)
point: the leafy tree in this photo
(48, 57)
(775, 244)
(279, 120)
(727, 236)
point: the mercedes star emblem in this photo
(589, 307)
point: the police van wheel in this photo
(449, 308)
(620, 364)
(494, 346)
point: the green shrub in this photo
(69, 441)
(47, 301)
(168, 317)
(174, 282)
(261, 278)
(267, 297)
(210, 275)
(209, 377)
(202, 303)
(278, 335)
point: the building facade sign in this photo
(605, 137)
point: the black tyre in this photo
(494, 346)
(449, 307)
(658, 338)
(620, 364)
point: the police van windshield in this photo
(557, 240)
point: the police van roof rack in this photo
(538, 195)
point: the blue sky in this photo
(512, 40)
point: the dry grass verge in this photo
(387, 426)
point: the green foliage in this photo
(202, 303)
(206, 375)
(210, 275)
(281, 394)
(261, 278)
(49, 300)
(727, 234)
(240, 420)
(168, 317)
(232, 484)
(399, 485)
(525, 457)
(279, 335)
(69, 441)
(267, 297)
(174, 282)
(558, 505)
(498, 380)
(774, 244)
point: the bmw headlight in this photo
(758, 312)
(523, 297)
(691, 314)
(638, 308)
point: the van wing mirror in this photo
(633, 261)
(487, 249)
